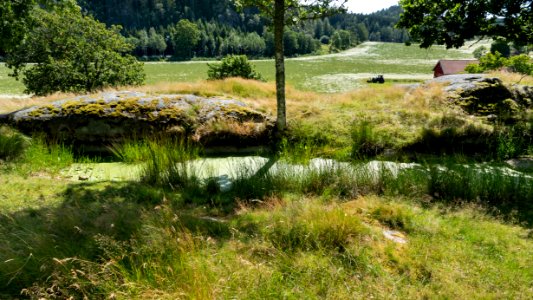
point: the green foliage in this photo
(12, 144)
(185, 35)
(233, 66)
(500, 46)
(479, 52)
(522, 64)
(46, 156)
(453, 22)
(513, 141)
(168, 164)
(71, 52)
(490, 61)
(14, 21)
(342, 40)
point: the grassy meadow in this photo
(457, 224)
(331, 73)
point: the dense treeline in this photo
(214, 28)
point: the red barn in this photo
(448, 67)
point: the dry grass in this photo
(397, 114)
(512, 78)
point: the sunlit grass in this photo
(307, 73)
(399, 116)
(133, 242)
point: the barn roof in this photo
(450, 66)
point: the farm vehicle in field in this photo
(377, 79)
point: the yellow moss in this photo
(44, 110)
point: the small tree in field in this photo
(70, 52)
(233, 66)
(185, 36)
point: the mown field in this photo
(329, 73)
(448, 224)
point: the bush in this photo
(480, 51)
(521, 64)
(487, 62)
(502, 47)
(233, 66)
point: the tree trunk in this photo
(279, 24)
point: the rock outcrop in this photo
(107, 118)
(485, 96)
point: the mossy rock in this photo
(107, 118)
(484, 96)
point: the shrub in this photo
(233, 66)
(502, 47)
(488, 62)
(521, 64)
(480, 51)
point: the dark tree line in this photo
(152, 26)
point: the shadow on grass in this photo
(92, 218)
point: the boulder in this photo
(480, 95)
(523, 164)
(107, 118)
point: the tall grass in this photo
(12, 144)
(168, 164)
(132, 151)
(307, 233)
(45, 156)
(36, 154)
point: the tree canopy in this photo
(70, 52)
(16, 19)
(451, 22)
(185, 36)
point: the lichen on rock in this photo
(113, 117)
(483, 96)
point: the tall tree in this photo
(452, 22)
(185, 36)
(283, 13)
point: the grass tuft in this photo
(12, 144)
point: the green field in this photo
(328, 73)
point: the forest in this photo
(184, 29)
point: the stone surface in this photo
(112, 117)
(478, 94)
(524, 164)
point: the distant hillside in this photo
(150, 25)
(138, 14)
